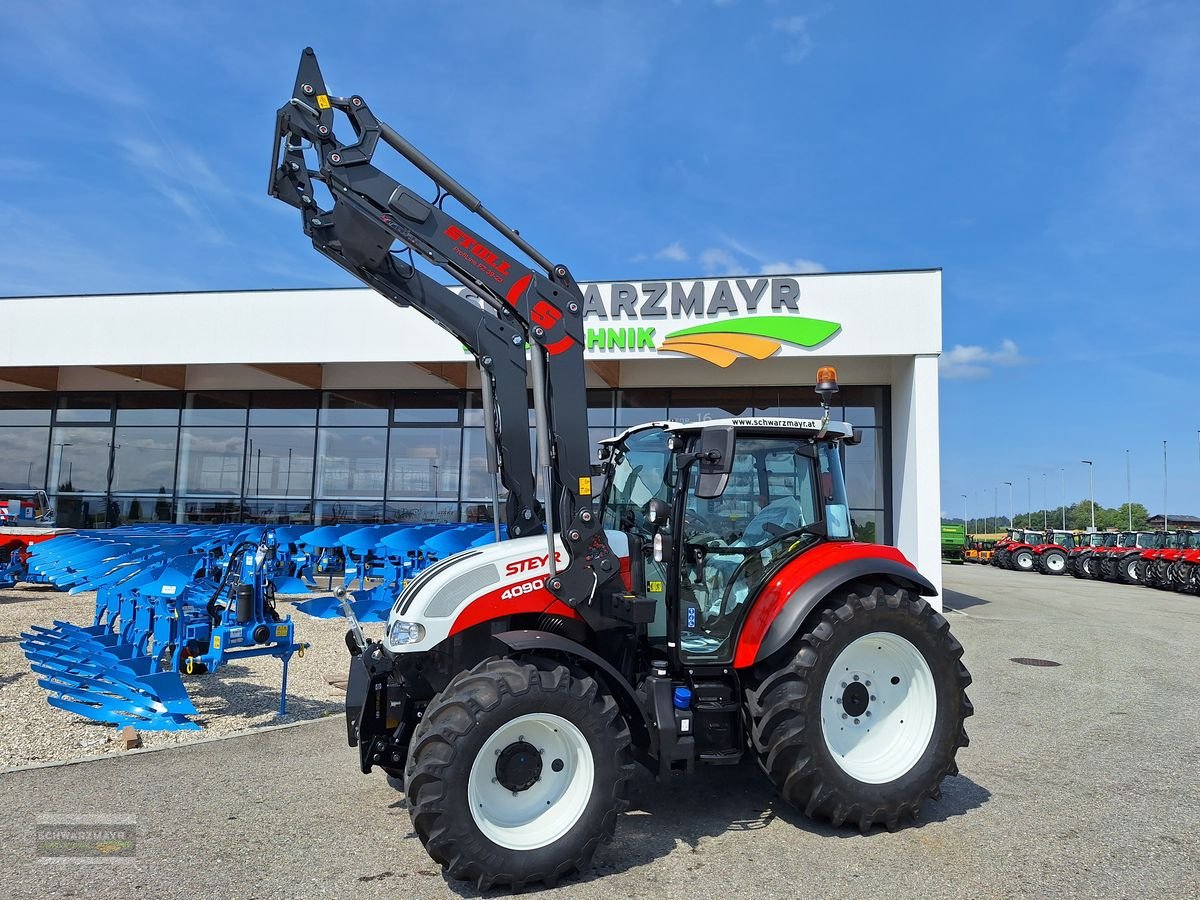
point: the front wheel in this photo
(515, 774)
(862, 721)
(1022, 560)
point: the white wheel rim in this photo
(1131, 570)
(892, 733)
(545, 811)
(1055, 562)
(1024, 560)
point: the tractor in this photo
(1120, 563)
(1050, 556)
(1000, 551)
(1022, 553)
(1154, 565)
(1079, 559)
(695, 597)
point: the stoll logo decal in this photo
(735, 330)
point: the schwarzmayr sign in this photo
(717, 320)
(725, 318)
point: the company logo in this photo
(478, 254)
(721, 343)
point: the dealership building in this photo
(333, 405)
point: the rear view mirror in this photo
(714, 450)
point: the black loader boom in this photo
(539, 303)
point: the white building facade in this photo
(333, 405)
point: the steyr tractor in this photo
(696, 597)
(1184, 573)
(1119, 563)
(1000, 551)
(1154, 565)
(1079, 559)
(1050, 556)
(1022, 552)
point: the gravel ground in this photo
(240, 696)
(1080, 781)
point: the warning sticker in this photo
(323, 101)
(585, 486)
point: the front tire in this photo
(1022, 560)
(1127, 570)
(863, 720)
(515, 774)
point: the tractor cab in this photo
(1034, 538)
(1064, 539)
(712, 510)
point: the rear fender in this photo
(557, 646)
(783, 605)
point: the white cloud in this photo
(718, 261)
(796, 266)
(795, 28)
(673, 252)
(973, 361)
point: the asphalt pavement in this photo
(1082, 779)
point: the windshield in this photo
(641, 466)
(1129, 540)
(1033, 537)
(1146, 541)
(1194, 541)
(1064, 539)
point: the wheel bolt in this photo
(856, 721)
(844, 716)
(856, 678)
(838, 701)
(843, 684)
(872, 696)
(867, 683)
(868, 712)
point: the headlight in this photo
(401, 632)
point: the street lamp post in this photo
(995, 506)
(1166, 516)
(1129, 489)
(1091, 488)
(1010, 505)
(1062, 471)
(1029, 501)
(1045, 510)
(965, 526)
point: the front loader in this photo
(696, 597)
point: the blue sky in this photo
(1045, 155)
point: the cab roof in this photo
(836, 430)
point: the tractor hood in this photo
(478, 585)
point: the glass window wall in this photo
(325, 457)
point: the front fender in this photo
(556, 645)
(778, 612)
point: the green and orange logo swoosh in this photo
(758, 337)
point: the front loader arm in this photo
(371, 211)
(496, 338)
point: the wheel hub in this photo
(855, 699)
(519, 766)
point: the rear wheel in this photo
(863, 718)
(1127, 569)
(516, 773)
(1022, 560)
(1053, 562)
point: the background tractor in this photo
(1050, 556)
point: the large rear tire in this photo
(1127, 569)
(864, 716)
(516, 774)
(1022, 560)
(1053, 562)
